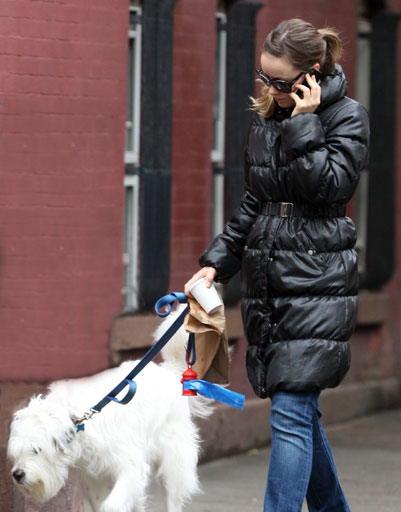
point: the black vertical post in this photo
(155, 150)
(380, 255)
(240, 85)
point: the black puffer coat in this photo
(299, 274)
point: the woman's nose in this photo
(273, 91)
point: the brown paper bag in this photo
(212, 359)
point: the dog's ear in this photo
(66, 438)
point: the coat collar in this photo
(334, 87)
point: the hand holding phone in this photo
(312, 72)
(307, 96)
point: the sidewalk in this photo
(367, 452)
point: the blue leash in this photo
(167, 300)
(203, 387)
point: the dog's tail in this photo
(174, 358)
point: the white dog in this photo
(122, 447)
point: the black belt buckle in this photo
(286, 209)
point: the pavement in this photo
(367, 453)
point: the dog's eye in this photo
(36, 450)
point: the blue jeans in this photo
(301, 462)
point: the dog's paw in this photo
(107, 506)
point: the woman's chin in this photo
(285, 102)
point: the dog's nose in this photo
(19, 476)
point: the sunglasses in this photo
(277, 83)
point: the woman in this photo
(306, 147)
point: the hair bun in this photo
(334, 49)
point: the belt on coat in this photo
(301, 210)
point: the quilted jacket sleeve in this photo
(324, 165)
(225, 252)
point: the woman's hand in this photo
(311, 96)
(208, 272)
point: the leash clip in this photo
(87, 416)
(91, 413)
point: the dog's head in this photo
(41, 447)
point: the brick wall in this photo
(62, 93)
(193, 89)
(62, 113)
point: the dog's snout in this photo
(19, 476)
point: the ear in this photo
(67, 437)
(316, 66)
(57, 444)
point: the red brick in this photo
(61, 198)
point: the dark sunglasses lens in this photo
(281, 86)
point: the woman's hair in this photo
(304, 45)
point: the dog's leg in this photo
(174, 504)
(178, 467)
(129, 491)
(87, 506)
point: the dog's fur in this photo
(122, 447)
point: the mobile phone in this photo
(312, 72)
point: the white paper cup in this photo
(208, 298)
